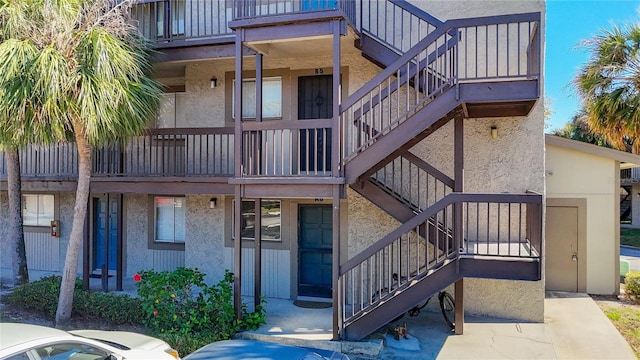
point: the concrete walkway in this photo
(574, 328)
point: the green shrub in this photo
(42, 296)
(115, 309)
(632, 284)
(179, 307)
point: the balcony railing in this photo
(493, 225)
(631, 175)
(396, 23)
(182, 152)
(169, 21)
(499, 48)
(287, 148)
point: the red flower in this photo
(137, 277)
(155, 313)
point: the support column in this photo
(257, 210)
(458, 230)
(104, 273)
(336, 291)
(238, 156)
(335, 133)
(459, 302)
(257, 141)
(120, 250)
(237, 253)
(257, 230)
(86, 250)
(335, 171)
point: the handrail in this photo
(425, 243)
(425, 215)
(399, 25)
(419, 47)
(413, 181)
(165, 152)
(480, 49)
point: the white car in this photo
(33, 342)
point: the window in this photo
(172, 110)
(169, 219)
(270, 215)
(271, 98)
(37, 209)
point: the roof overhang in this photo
(627, 160)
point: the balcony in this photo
(160, 153)
(178, 23)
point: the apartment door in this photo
(315, 101)
(561, 251)
(315, 250)
(105, 232)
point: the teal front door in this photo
(105, 232)
(315, 250)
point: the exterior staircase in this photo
(425, 84)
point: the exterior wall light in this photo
(214, 83)
(494, 132)
(212, 203)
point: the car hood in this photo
(129, 339)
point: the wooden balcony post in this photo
(237, 253)
(459, 303)
(458, 216)
(335, 170)
(237, 248)
(335, 293)
(335, 133)
(256, 154)
(257, 230)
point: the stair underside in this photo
(482, 99)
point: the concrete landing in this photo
(574, 328)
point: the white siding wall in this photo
(276, 265)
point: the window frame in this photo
(252, 116)
(153, 243)
(252, 201)
(35, 227)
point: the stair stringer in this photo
(401, 301)
(439, 279)
(405, 132)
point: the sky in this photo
(568, 23)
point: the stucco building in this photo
(582, 227)
(381, 151)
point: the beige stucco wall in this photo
(513, 162)
(573, 174)
(456, 9)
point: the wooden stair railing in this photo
(499, 226)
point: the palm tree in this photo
(10, 20)
(578, 129)
(79, 69)
(609, 86)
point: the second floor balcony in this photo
(286, 150)
(171, 23)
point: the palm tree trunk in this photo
(65, 301)
(16, 231)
